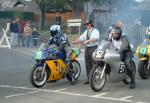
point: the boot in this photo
(132, 85)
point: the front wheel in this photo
(74, 71)
(38, 76)
(144, 69)
(96, 79)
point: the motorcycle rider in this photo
(60, 40)
(122, 45)
(146, 40)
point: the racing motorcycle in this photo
(108, 64)
(143, 52)
(50, 68)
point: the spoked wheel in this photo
(96, 79)
(127, 79)
(38, 76)
(74, 71)
(144, 69)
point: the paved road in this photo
(15, 67)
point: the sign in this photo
(74, 22)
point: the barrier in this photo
(5, 37)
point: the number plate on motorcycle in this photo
(122, 69)
(38, 55)
(143, 50)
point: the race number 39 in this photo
(122, 69)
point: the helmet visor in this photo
(53, 33)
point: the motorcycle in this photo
(143, 52)
(50, 68)
(108, 64)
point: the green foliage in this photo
(53, 5)
(15, 14)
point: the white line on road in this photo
(68, 93)
(99, 95)
(116, 99)
(59, 90)
(77, 94)
(125, 98)
(10, 96)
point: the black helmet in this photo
(55, 30)
(116, 33)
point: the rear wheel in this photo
(144, 69)
(37, 78)
(95, 80)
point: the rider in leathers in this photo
(122, 44)
(60, 40)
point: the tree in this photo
(78, 5)
(47, 6)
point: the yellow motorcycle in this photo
(143, 52)
(50, 68)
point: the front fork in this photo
(70, 70)
(43, 70)
(104, 68)
(43, 65)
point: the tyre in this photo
(36, 77)
(127, 79)
(97, 83)
(74, 71)
(144, 69)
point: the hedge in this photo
(17, 14)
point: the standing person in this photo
(119, 23)
(14, 33)
(90, 39)
(58, 18)
(27, 34)
(21, 24)
(35, 37)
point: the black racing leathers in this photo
(126, 56)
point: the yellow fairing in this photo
(73, 56)
(57, 68)
(142, 57)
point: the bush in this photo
(17, 14)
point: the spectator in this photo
(21, 24)
(27, 34)
(14, 33)
(35, 37)
(58, 18)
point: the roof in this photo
(19, 5)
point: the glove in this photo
(116, 49)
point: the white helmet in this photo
(54, 30)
